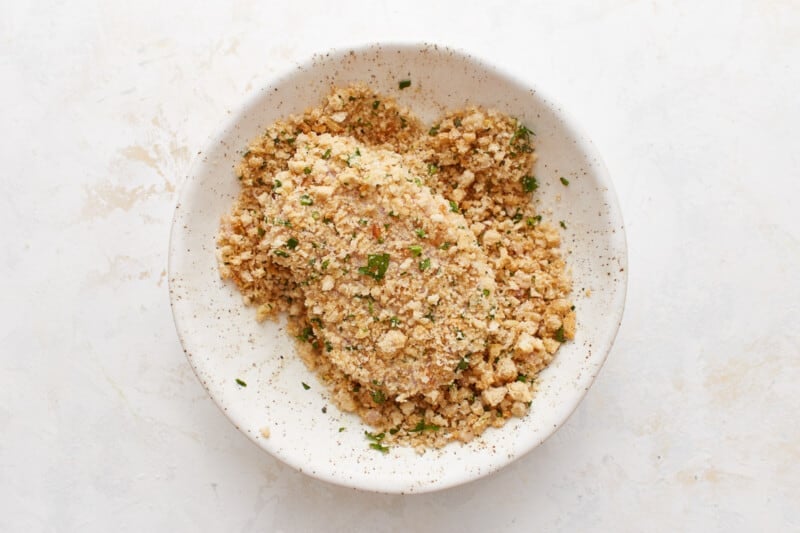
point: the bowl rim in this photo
(606, 341)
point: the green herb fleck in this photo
(261, 232)
(404, 84)
(434, 130)
(453, 206)
(521, 141)
(559, 336)
(415, 249)
(276, 184)
(394, 321)
(306, 200)
(378, 396)
(327, 154)
(445, 245)
(281, 253)
(328, 346)
(379, 447)
(457, 122)
(532, 221)
(375, 104)
(305, 385)
(377, 264)
(562, 224)
(341, 429)
(522, 378)
(564, 181)
(529, 183)
(463, 364)
(307, 170)
(517, 216)
(292, 243)
(432, 169)
(373, 437)
(425, 264)
(306, 334)
(325, 264)
(422, 426)
(486, 292)
(241, 383)
(420, 233)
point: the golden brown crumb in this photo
(420, 283)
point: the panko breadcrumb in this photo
(419, 282)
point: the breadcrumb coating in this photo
(421, 285)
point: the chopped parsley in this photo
(375, 104)
(306, 200)
(463, 364)
(445, 245)
(420, 233)
(327, 154)
(422, 426)
(415, 249)
(307, 170)
(432, 169)
(522, 378)
(292, 243)
(261, 232)
(394, 321)
(341, 429)
(529, 183)
(564, 181)
(434, 130)
(280, 253)
(404, 84)
(521, 141)
(453, 206)
(374, 437)
(532, 221)
(517, 216)
(378, 396)
(325, 264)
(559, 336)
(379, 447)
(307, 333)
(276, 184)
(457, 122)
(241, 383)
(425, 264)
(377, 264)
(486, 292)
(305, 385)
(562, 224)
(376, 441)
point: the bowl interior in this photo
(224, 343)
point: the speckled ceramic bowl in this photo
(224, 343)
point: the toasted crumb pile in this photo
(418, 280)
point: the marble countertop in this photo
(691, 425)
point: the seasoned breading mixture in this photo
(420, 283)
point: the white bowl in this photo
(223, 342)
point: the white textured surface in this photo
(693, 423)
